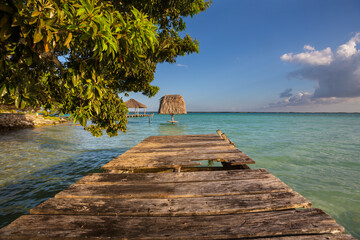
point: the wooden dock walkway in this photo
(228, 202)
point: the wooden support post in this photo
(223, 136)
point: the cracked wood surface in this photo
(179, 151)
(175, 206)
(264, 224)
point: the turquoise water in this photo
(317, 155)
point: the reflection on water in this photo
(172, 129)
(317, 155)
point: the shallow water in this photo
(317, 155)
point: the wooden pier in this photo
(137, 115)
(156, 191)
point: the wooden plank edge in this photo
(164, 195)
(174, 207)
(249, 225)
(96, 178)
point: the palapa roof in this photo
(132, 103)
(172, 104)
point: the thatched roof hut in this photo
(172, 104)
(132, 103)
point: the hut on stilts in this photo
(132, 103)
(172, 105)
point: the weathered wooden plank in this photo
(148, 163)
(314, 237)
(182, 177)
(175, 190)
(175, 206)
(176, 157)
(183, 140)
(183, 137)
(182, 144)
(181, 168)
(216, 149)
(234, 153)
(264, 224)
(145, 160)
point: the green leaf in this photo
(35, 13)
(38, 36)
(17, 101)
(68, 39)
(3, 90)
(23, 104)
(82, 121)
(89, 92)
(33, 20)
(74, 80)
(99, 91)
(16, 21)
(25, 31)
(96, 108)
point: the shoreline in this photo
(15, 121)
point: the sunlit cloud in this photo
(310, 56)
(337, 74)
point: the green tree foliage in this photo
(77, 56)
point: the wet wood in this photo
(175, 206)
(264, 224)
(182, 177)
(175, 190)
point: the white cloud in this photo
(182, 65)
(339, 78)
(309, 48)
(310, 56)
(349, 49)
(305, 98)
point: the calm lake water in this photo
(318, 155)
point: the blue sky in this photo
(252, 52)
